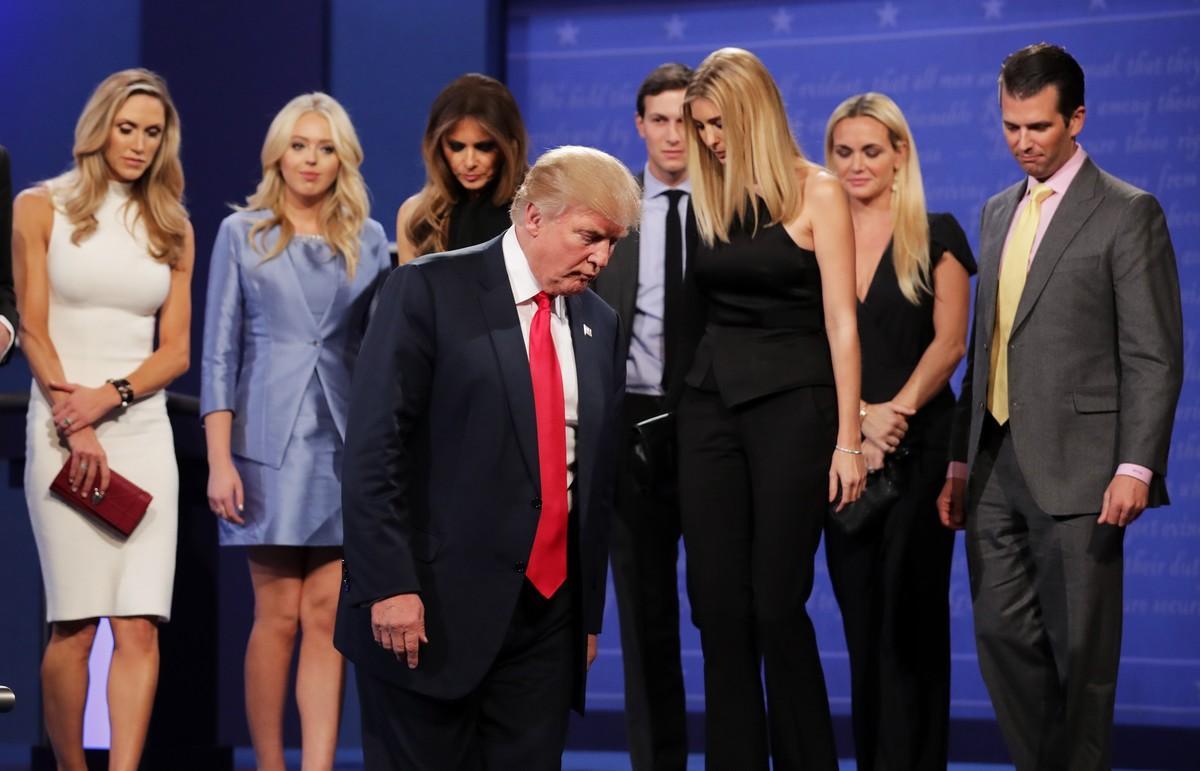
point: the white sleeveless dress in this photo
(104, 296)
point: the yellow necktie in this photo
(1013, 268)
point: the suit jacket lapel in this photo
(295, 314)
(591, 399)
(512, 359)
(1079, 202)
(991, 251)
(341, 295)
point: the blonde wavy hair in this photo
(488, 101)
(910, 223)
(760, 151)
(157, 194)
(346, 205)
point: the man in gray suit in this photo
(1063, 427)
(644, 283)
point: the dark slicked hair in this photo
(665, 77)
(1029, 70)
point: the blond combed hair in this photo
(910, 222)
(580, 177)
(346, 206)
(157, 195)
(490, 103)
(761, 154)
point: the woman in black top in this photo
(892, 578)
(476, 153)
(768, 425)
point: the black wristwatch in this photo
(124, 390)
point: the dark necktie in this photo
(547, 569)
(672, 288)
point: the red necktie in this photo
(547, 568)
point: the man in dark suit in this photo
(1064, 424)
(478, 481)
(8, 300)
(645, 286)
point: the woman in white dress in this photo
(102, 253)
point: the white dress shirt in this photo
(524, 288)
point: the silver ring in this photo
(66, 422)
(83, 465)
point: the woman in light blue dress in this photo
(292, 277)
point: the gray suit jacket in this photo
(1096, 353)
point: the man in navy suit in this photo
(478, 482)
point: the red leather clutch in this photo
(121, 508)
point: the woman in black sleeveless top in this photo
(892, 579)
(475, 150)
(768, 425)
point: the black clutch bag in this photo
(654, 451)
(884, 488)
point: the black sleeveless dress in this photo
(756, 428)
(892, 582)
(765, 325)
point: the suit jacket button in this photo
(519, 567)
(316, 343)
(536, 503)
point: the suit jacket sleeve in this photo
(960, 428)
(389, 400)
(222, 352)
(1149, 334)
(8, 298)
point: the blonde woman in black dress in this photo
(892, 578)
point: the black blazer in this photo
(8, 298)
(440, 487)
(618, 285)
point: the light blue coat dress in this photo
(280, 340)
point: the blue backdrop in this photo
(575, 69)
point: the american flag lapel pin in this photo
(587, 331)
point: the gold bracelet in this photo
(839, 448)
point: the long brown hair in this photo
(488, 101)
(157, 195)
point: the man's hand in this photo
(593, 648)
(5, 338)
(1124, 500)
(398, 624)
(950, 503)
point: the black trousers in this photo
(754, 489)
(644, 552)
(516, 718)
(1047, 598)
(892, 584)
